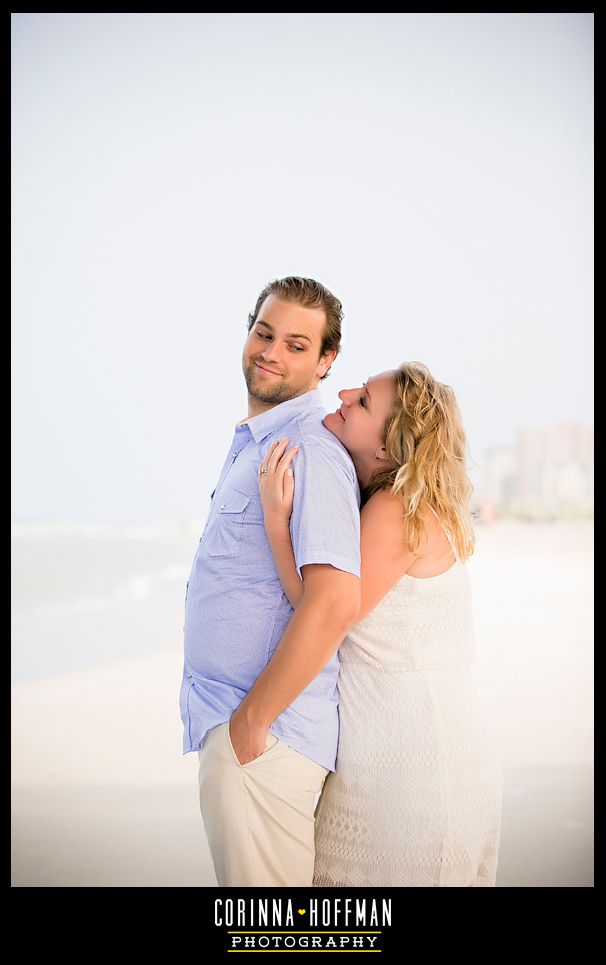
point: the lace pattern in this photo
(416, 797)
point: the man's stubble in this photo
(268, 395)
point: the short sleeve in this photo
(325, 521)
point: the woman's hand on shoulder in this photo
(277, 484)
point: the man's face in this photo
(281, 357)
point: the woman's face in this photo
(360, 421)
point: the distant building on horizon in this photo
(547, 474)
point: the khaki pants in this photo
(259, 817)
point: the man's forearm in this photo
(314, 633)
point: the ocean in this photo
(84, 594)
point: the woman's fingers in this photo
(276, 454)
(277, 459)
(286, 459)
(284, 474)
(288, 479)
(276, 481)
(265, 464)
(288, 490)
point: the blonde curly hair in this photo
(427, 450)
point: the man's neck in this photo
(256, 407)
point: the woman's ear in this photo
(381, 454)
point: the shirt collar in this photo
(271, 421)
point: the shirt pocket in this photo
(224, 533)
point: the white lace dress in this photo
(416, 797)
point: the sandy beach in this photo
(102, 794)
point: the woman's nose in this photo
(345, 395)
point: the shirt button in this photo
(222, 507)
(189, 675)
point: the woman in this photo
(416, 796)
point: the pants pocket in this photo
(270, 742)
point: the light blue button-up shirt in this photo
(236, 611)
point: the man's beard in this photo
(269, 394)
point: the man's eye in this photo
(297, 348)
(261, 335)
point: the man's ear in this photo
(325, 362)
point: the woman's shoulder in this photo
(385, 512)
(384, 501)
(382, 522)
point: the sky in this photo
(435, 171)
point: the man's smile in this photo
(264, 369)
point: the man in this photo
(258, 697)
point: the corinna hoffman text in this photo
(314, 912)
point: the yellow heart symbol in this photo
(301, 911)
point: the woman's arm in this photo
(385, 554)
(276, 488)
